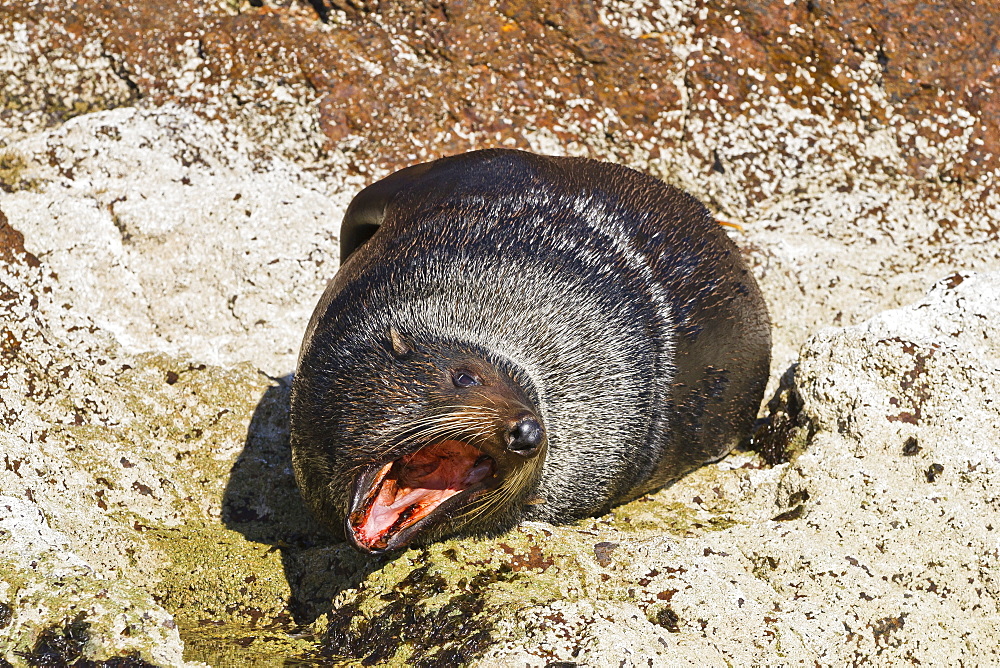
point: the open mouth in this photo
(394, 501)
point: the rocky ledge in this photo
(169, 207)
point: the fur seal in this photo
(513, 336)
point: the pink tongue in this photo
(419, 483)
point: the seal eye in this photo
(462, 378)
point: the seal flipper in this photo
(367, 209)
(440, 177)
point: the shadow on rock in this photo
(784, 432)
(262, 502)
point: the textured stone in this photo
(392, 80)
(46, 577)
(177, 238)
(922, 71)
(171, 182)
(120, 464)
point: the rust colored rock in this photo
(931, 60)
(415, 80)
(12, 245)
(402, 81)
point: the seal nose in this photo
(525, 437)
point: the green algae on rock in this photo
(106, 462)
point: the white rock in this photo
(174, 239)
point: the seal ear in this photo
(367, 209)
(402, 346)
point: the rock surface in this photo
(171, 184)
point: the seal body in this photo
(513, 336)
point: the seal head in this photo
(513, 336)
(473, 445)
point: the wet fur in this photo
(613, 302)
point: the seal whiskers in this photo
(496, 499)
(425, 464)
(433, 426)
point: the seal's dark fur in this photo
(620, 307)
